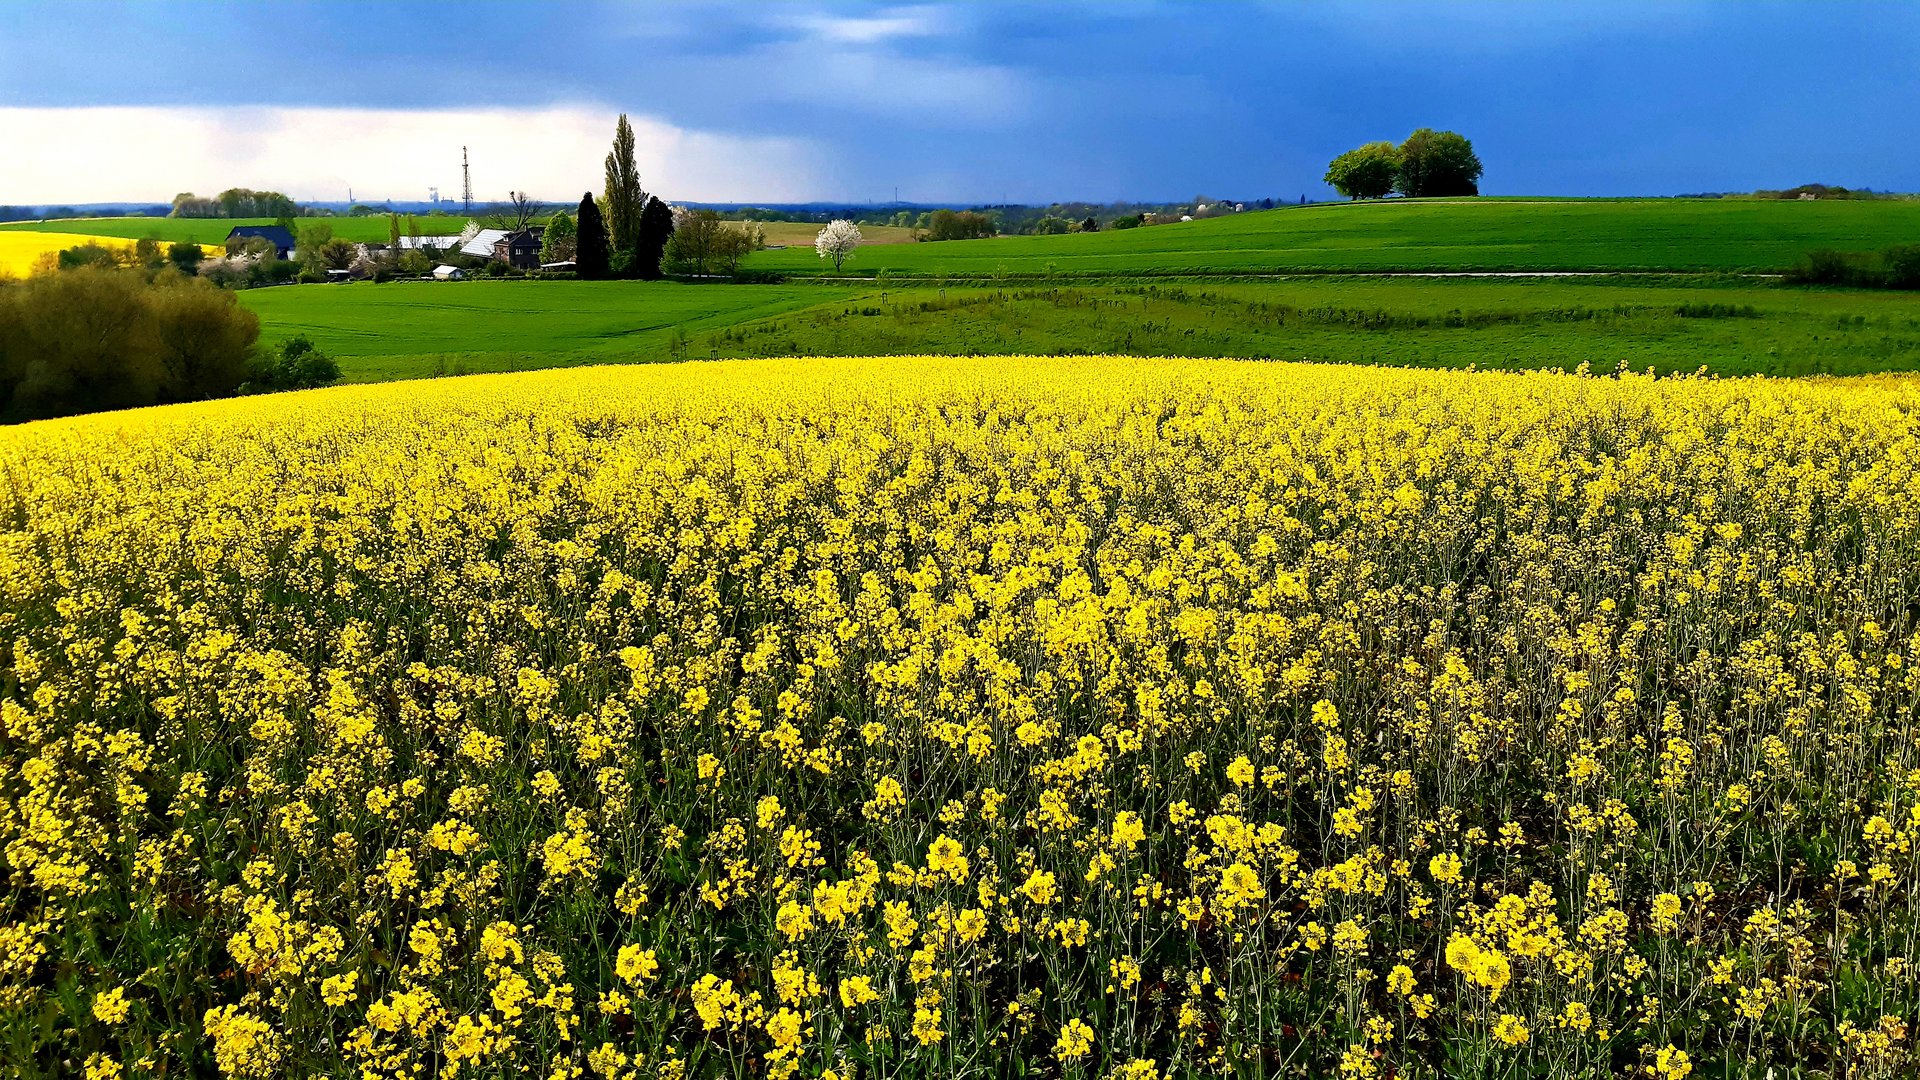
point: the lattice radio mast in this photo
(466, 183)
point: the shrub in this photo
(965, 225)
(1717, 311)
(702, 244)
(1827, 266)
(185, 256)
(204, 340)
(95, 339)
(1896, 267)
(1901, 266)
(298, 365)
(90, 256)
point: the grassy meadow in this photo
(1440, 235)
(800, 234)
(406, 330)
(934, 717)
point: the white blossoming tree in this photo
(837, 241)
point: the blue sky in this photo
(1144, 99)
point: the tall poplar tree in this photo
(625, 201)
(590, 250)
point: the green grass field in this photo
(1512, 324)
(1500, 234)
(214, 230)
(1110, 292)
(800, 234)
(413, 329)
(408, 330)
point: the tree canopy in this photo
(558, 243)
(1365, 172)
(1428, 164)
(624, 198)
(1438, 164)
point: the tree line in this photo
(622, 234)
(1429, 164)
(236, 203)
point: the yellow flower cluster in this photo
(1085, 717)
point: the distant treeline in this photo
(1804, 191)
(236, 203)
(58, 213)
(1011, 219)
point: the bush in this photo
(297, 366)
(1896, 267)
(95, 339)
(702, 244)
(1717, 311)
(1131, 221)
(90, 256)
(185, 256)
(1901, 266)
(1827, 266)
(965, 225)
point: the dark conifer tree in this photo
(656, 228)
(590, 251)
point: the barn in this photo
(278, 235)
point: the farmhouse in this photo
(448, 273)
(278, 235)
(481, 246)
(519, 249)
(429, 243)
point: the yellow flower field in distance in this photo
(926, 717)
(21, 251)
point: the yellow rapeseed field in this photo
(21, 251)
(1090, 717)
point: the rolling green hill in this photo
(411, 329)
(1734, 235)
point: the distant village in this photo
(517, 249)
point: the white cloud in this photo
(902, 22)
(115, 153)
